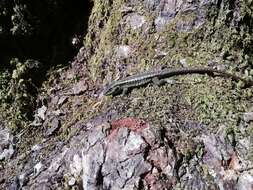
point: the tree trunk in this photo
(194, 133)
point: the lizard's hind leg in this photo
(158, 81)
(125, 91)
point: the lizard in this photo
(157, 77)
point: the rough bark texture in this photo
(194, 134)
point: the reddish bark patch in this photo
(234, 162)
(157, 181)
(133, 124)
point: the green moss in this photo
(17, 93)
(218, 102)
(107, 15)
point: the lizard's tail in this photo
(209, 71)
(247, 83)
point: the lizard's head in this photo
(111, 89)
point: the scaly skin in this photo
(123, 85)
